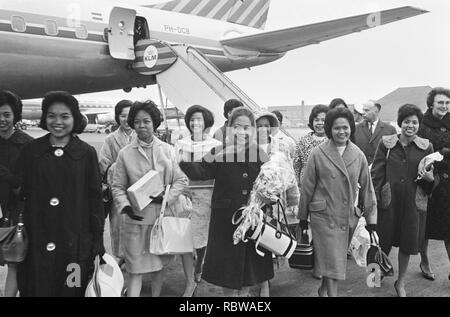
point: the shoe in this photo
(190, 292)
(319, 292)
(397, 290)
(317, 277)
(198, 277)
(427, 275)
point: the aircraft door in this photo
(121, 33)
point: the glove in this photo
(304, 225)
(129, 212)
(157, 200)
(371, 228)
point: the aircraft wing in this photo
(280, 41)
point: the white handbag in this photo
(107, 280)
(273, 238)
(171, 235)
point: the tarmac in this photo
(297, 283)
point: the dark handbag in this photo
(303, 256)
(13, 243)
(377, 256)
(106, 194)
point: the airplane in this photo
(92, 46)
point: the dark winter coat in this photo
(63, 216)
(438, 213)
(9, 153)
(394, 173)
(228, 265)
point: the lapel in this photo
(365, 129)
(329, 149)
(379, 127)
(121, 138)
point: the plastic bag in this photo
(360, 243)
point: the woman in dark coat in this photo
(395, 178)
(63, 204)
(234, 168)
(436, 128)
(11, 143)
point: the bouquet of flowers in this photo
(274, 179)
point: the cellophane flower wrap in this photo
(274, 178)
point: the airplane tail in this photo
(252, 13)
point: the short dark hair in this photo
(436, 91)
(337, 113)
(11, 99)
(279, 116)
(377, 105)
(315, 112)
(242, 111)
(408, 110)
(148, 106)
(119, 107)
(52, 97)
(336, 102)
(208, 116)
(230, 105)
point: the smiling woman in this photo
(60, 182)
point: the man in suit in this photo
(369, 132)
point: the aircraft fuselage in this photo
(64, 46)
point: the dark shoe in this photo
(427, 275)
(399, 294)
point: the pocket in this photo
(221, 204)
(316, 206)
(385, 195)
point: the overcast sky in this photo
(357, 67)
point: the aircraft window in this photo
(18, 24)
(81, 32)
(51, 28)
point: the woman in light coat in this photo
(107, 159)
(328, 194)
(194, 147)
(145, 153)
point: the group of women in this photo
(57, 179)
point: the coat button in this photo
(443, 129)
(402, 180)
(445, 175)
(54, 202)
(51, 246)
(245, 175)
(343, 228)
(345, 202)
(59, 152)
(332, 225)
(244, 192)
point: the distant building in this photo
(392, 101)
(294, 116)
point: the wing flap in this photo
(284, 40)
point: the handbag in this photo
(377, 256)
(303, 256)
(171, 235)
(106, 194)
(13, 243)
(275, 238)
(107, 279)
